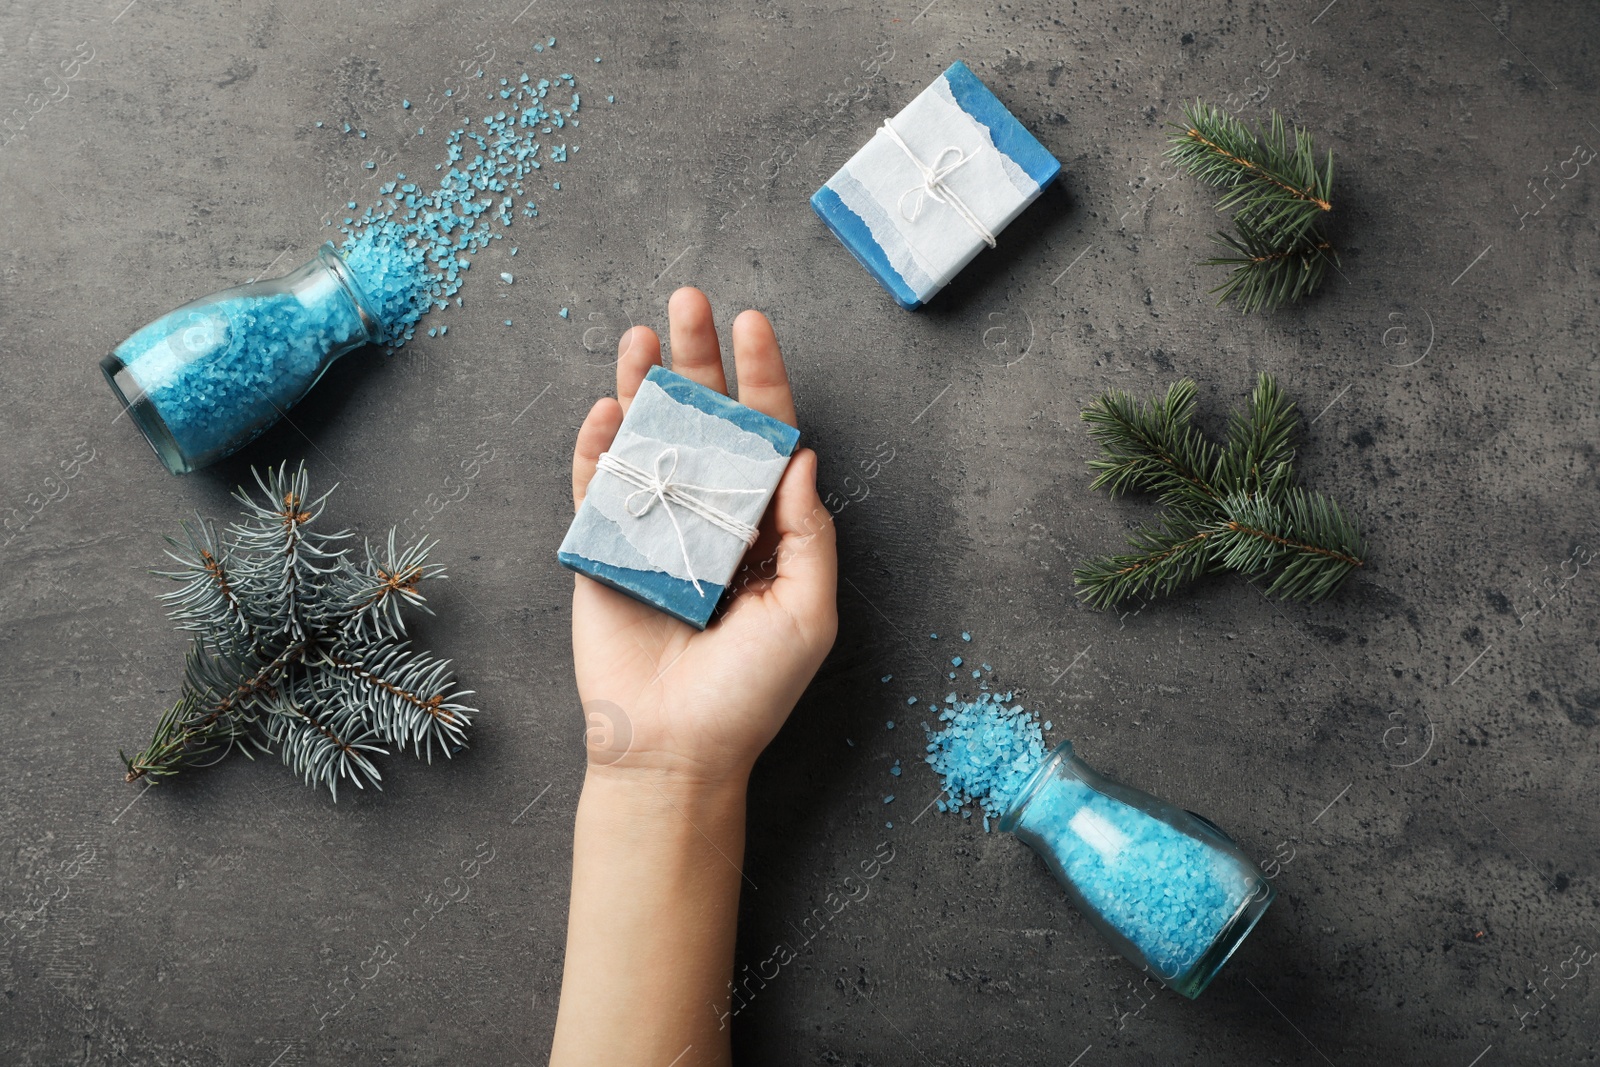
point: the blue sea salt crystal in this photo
(889, 725)
(563, 312)
(886, 678)
(984, 752)
(392, 277)
(955, 661)
(889, 799)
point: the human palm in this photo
(659, 696)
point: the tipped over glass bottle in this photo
(206, 379)
(1168, 888)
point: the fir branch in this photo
(299, 648)
(185, 733)
(1271, 179)
(1253, 519)
(1151, 446)
(1267, 275)
(207, 604)
(1260, 439)
(214, 708)
(1271, 176)
(410, 695)
(1167, 554)
(323, 747)
(286, 561)
(384, 584)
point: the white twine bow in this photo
(933, 186)
(660, 486)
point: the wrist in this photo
(636, 789)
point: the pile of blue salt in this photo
(410, 250)
(394, 279)
(985, 752)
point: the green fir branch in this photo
(1151, 446)
(1270, 176)
(1278, 192)
(1249, 518)
(1167, 554)
(1267, 275)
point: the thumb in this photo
(807, 556)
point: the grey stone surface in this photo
(1413, 760)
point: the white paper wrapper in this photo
(931, 250)
(710, 452)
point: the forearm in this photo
(656, 870)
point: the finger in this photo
(638, 350)
(807, 555)
(594, 437)
(695, 352)
(757, 363)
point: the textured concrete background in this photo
(1413, 761)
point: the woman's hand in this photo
(661, 698)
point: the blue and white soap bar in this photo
(934, 185)
(677, 497)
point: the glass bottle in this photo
(1169, 889)
(205, 380)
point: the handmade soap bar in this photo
(675, 501)
(934, 185)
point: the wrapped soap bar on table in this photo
(675, 501)
(934, 186)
